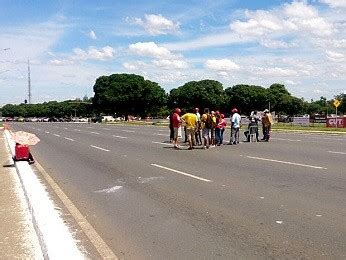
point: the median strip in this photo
(180, 172)
(284, 162)
(96, 147)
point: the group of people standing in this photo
(208, 129)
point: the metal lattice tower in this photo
(29, 84)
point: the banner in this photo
(301, 120)
(338, 122)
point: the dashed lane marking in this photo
(70, 139)
(100, 148)
(337, 152)
(56, 135)
(161, 134)
(290, 163)
(162, 143)
(180, 172)
(128, 131)
(77, 130)
(46, 132)
(283, 139)
(118, 136)
(96, 133)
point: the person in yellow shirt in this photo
(190, 120)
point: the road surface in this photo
(281, 199)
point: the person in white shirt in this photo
(235, 126)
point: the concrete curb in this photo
(55, 239)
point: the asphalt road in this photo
(281, 199)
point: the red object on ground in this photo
(22, 152)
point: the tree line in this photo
(130, 94)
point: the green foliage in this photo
(246, 98)
(204, 93)
(127, 94)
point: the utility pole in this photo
(29, 84)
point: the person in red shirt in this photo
(176, 120)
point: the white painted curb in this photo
(55, 239)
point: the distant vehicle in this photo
(46, 119)
(83, 119)
(108, 119)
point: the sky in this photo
(301, 44)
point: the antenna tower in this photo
(29, 83)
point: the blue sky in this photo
(301, 44)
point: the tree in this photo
(246, 98)
(127, 94)
(204, 93)
(277, 96)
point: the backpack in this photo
(209, 122)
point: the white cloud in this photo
(134, 65)
(274, 44)
(156, 24)
(171, 64)
(92, 35)
(275, 72)
(105, 53)
(150, 49)
(57, 62)
(335, 3)
(335, 56)
(221, 65)
(296, 17)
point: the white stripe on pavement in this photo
(162, 134)
(128, 131)
(162, 143)
(283, 139)
(118, 136)
(46, 132)
(77, 130)
(284, 162)
(96, 133)
(70, 139)
(336, 152)
(56, 135)
(182, 173)
(96, 147)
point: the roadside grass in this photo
(1, 124)
(312, 127)
(316, 127)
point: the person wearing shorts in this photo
(190, 120)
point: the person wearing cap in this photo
(176, 120)
(235, 126)
(267, 121)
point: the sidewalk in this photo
(17, 235)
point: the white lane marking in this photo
(336, 152)
(284, 162)
(279, 222)
(107, 129)
(128, 131)
(161, 134)
(118, 136)
(77, 130)
(70, 139)
(46, 132)
(38, 129)
(96, 133)
(56, 135)
(182, 173)
(65, 128)
(283, 139)
(96, 147)
(327, 138)
(162, 143)
(160, 130)
(109, 190)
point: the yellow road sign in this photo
(336, 103)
